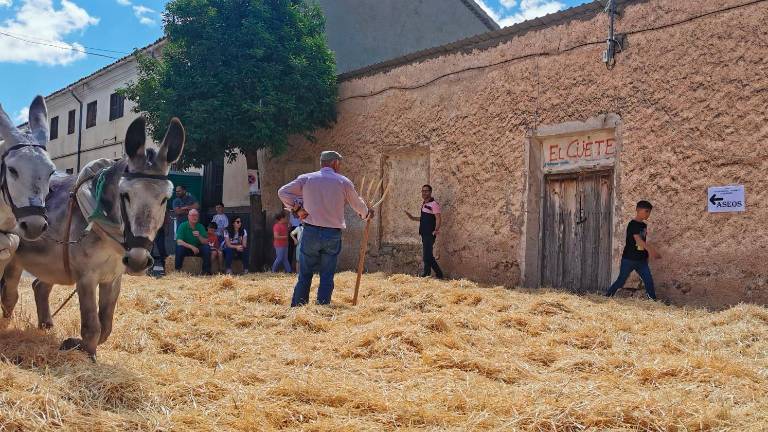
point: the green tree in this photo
(242, 75)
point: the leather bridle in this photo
(18, 212)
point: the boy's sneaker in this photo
(157, 271)
(245, 271)
(229, 271)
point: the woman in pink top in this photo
(280, 242)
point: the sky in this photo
(46, 45)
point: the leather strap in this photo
(70, 209)
(18, 212)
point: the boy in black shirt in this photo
(636, 251)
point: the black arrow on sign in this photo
(715, 199)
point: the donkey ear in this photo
(38, 120)
(173, 143)
(7, 130)
(136, 138)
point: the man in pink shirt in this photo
(429, 226)
(318, 199)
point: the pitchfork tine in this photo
(384, 195)
(369, 191)
(378, 188)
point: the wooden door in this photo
(576, 231)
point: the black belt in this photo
(315, 226)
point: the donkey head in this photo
(26, 170)
(143, 190)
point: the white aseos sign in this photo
(724, 199)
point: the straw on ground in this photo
(227, 353)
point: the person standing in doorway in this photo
(430, 221)
(636, 252)
(318, 199)
(183, 204)
(280, 242)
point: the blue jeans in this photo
(230, 255)
(318, 251)
(205, 254)
(281, 258)
(160, 246)
(627, 267)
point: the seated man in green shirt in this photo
(191, 240)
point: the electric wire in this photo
(59, 46)
(549, 53)
(56, 42)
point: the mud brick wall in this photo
(693, 101)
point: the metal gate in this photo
(576, 231)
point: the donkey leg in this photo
(10, 288)
(108, 294)
(90, 328)
(42, 293)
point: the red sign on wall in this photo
(565, 153)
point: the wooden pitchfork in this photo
(370, 196)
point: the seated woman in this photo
(236, 245)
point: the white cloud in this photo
(528, 9)
(22, 116)
(40, 21)
(6, 3)
(145, 15)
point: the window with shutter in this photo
(71, 123)
(116, 106)
(90, 115)
(54, 131)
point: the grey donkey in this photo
(25, 173)
(132, 205)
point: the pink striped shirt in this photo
(323, 195)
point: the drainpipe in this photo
(79, 129)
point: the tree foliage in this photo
(242, 75)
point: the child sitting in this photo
(214, 242)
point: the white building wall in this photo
(105, 139)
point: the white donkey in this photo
(94, 249)
(25, 173)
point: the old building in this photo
(538, 150)
(360, 32)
